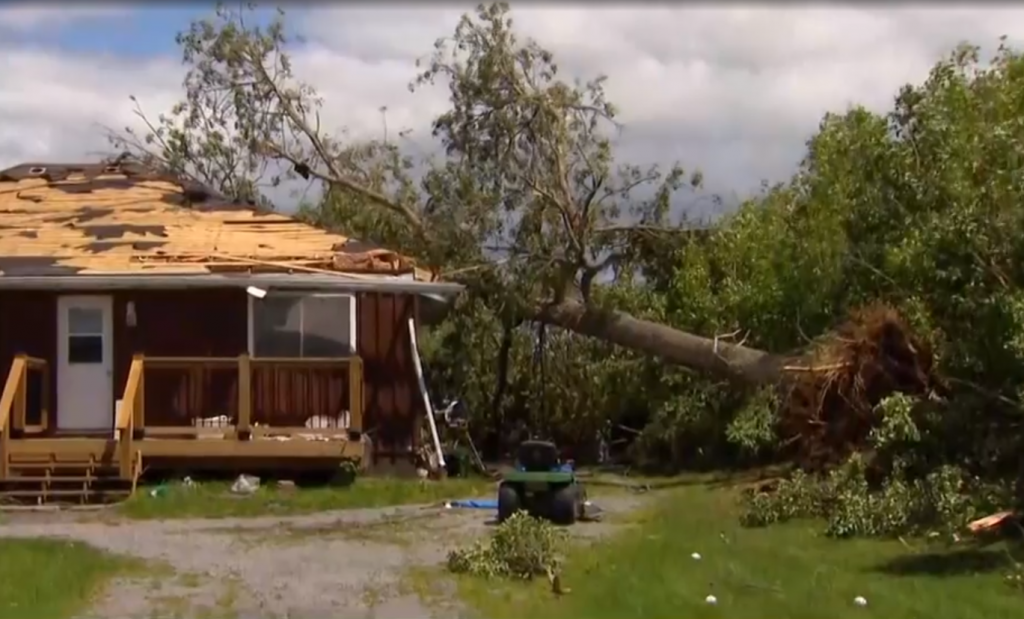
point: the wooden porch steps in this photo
(38, 479)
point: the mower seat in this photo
(538, 457)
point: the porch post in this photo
(355, 394)
(139, 410)
(244, 395)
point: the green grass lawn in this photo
(51, 579)
(214, 500)
(783, 572)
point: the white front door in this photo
(85, 363)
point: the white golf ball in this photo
(695, 556)
(711, 599)
(860, 601)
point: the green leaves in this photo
(522, 548)
(528, 205)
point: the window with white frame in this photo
(302, 325)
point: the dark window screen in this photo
(308, 326)
(85, 349)
(277, 327)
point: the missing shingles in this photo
(98, 247)
(28, 266)
(147, 245)
(117, 231)
(82, 215)
(87, 224)
(89, 185)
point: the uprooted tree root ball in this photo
(830, 396)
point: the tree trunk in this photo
(723, 359)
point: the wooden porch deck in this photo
(37, 464)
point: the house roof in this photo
(98, 219)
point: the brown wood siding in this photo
(182, 323)
(28, 325)
(213, 323)
(392, 400)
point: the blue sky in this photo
(139, 32)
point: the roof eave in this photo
(339, 283)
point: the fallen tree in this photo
(828, 393)
(529, 168)
(712, 355)
(528, 195)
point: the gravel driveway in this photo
(347, 564)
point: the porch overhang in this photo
(266, 281)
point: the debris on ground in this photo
(520, 548)
(993, 522)
(556, 583)
(830, 395)
(591, 512)
(473, 504)
(245, 485)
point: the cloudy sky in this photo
(732, 90)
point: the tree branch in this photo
(335, 177)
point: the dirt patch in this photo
(330, 565)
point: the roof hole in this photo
(36, 171)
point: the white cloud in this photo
(24, 17)
(735, 91)
(57, 107)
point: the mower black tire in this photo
(509, 501)
(564, 505)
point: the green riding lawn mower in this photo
(542, 485)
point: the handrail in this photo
(184, 363)
(14, 397)
(40, 365)
(132, 407)
(245, 365)
(35, 363)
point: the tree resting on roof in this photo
(528, 199)
(528, 206)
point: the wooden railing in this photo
(14, 403)
(133, 406)
(243, 428)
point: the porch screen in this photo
(303, 326)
